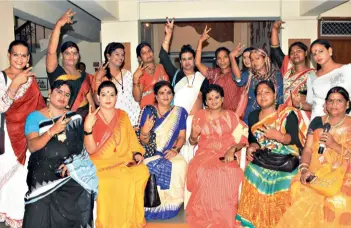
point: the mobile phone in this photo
(311, 178)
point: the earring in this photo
(67, 107)
(27, 65)
(48, 100)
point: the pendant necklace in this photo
(121, 84)
(61, 136)
(192, 83)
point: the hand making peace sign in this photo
(66, 18)
(90, 120)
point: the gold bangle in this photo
(303, 169)
(166, 41)
(144, 136)
(303, 165)
(275, 46)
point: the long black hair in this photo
(110, 48)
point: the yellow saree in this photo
(312, 209)
(120, 201)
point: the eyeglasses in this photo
(61, 92)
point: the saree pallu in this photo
(53, 201)
(81, 86)
(16, 118)
(311, 209)
(170, 174)
(214, 185)
(148, 81)
(295, 83)
(265, 193)
(120, 202)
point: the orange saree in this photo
(120, 201)
(148, 81)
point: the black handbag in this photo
(151, 197)
(278, 162)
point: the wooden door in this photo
(341, 50)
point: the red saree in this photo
(16, 117)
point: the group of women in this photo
(71, 153)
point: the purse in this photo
(328, 181)
(244, 97)
(151, 197)
(278, 162)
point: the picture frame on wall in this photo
(43, 84)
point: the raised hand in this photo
(295, 99)
(204, 36)
(195, 129)
(277, 24)
(148, 125)
(169, 27)
(237, 50)
(138, 73)
(66, 18)
(22, 77)
(90, 120)
(101, 72)
(60, 125)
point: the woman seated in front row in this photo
(325, 201)
(114, 149)
(214, 175)
(61, 178)
(162, 132)
(276, 136)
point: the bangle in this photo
(303, 165)
(303, 169)
(166, 41)
(275, 46)
(176, 149)
(98, 81)
(136, 84)
(88, 133)
(145, 136)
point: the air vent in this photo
(335, 28)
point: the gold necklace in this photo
(338, 124)
(61, 136)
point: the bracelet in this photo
(303, 165)
(136, 84)
(166, 41)
(303, 169)
(144, 136)
(275, 46)
(176, 149)
(88, 133)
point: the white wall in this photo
(7, 31)
(124, 31)
(90, 52)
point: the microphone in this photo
(321, 148)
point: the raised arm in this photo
(276, 52)
(233, 54)
(90, 120)
(51, 57)
(202, 67)
(164, 58)
(137, 86)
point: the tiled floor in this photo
(179, 219)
